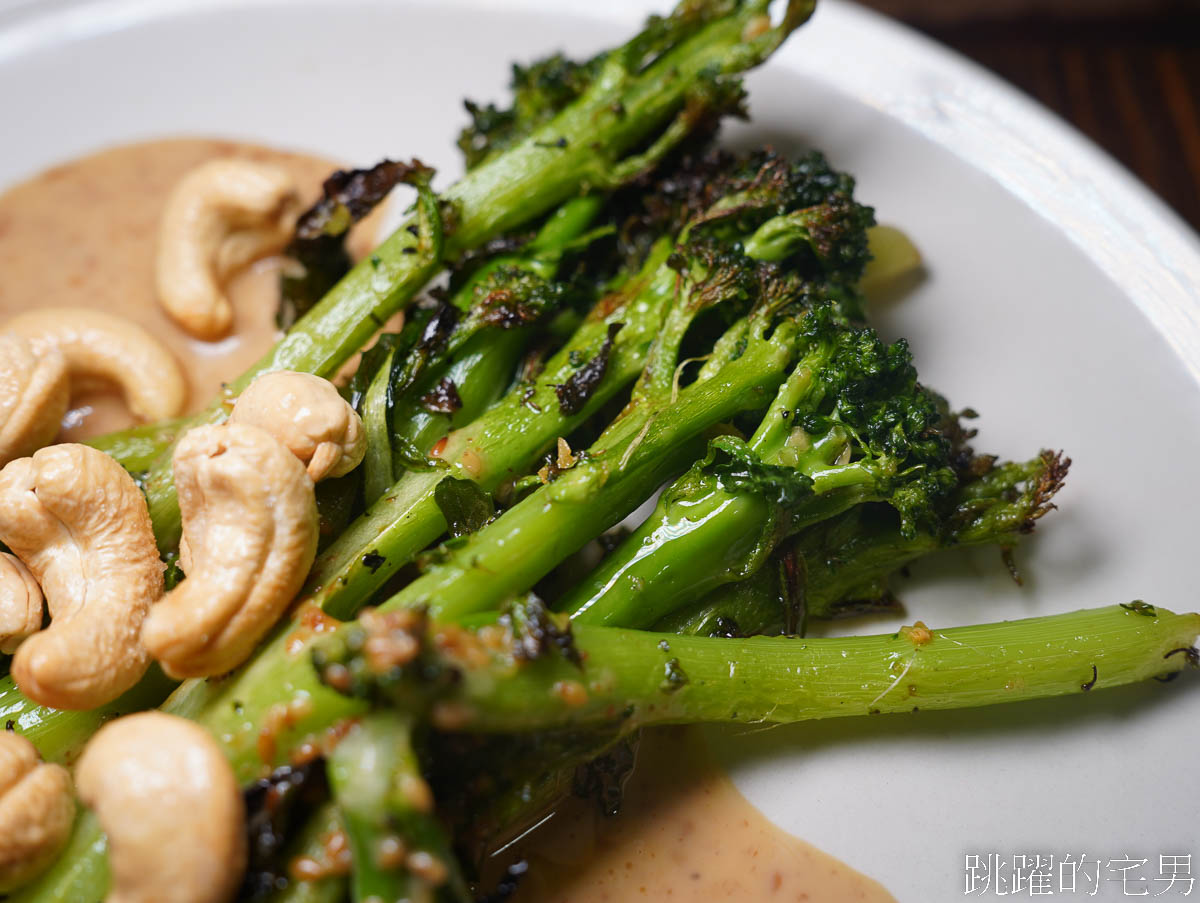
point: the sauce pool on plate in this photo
(83, 234)
(684, 833)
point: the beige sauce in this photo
(685, 834)
(83, 234)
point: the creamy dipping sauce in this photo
(684, 833)
(83, 234)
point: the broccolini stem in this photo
(638, 678)
(498, 446)
(632, 101)
(481, 367)
(723, 519)
(648, 442)
(138, 447)
(845, 562)
(399, 849)
(59, 734)
(312, 847)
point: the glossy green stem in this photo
(138, 447)
(628, 674)
(377, 784)
(499, 446)
(702, 535)
(650, 440)
(482, 368)
(59, 735)
(628, 104)
(311, 843)
(844, 563)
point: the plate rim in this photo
(1118, 223)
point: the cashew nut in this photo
(249, 538)
(168, 801)
(20, 603)
(101, 345)
(34, 393)
(220, 217)
(79, 523)
(37, 809)
(309, 417)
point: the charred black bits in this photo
(536, 631)
(317, 250)
(1140, 608)
(508, 884)
(574, 393)
(1091, 683)
(465, 506)
(603, 779)
(674, 677)
(439, 327)
(276, 807)
(442, 398)
(373, 561)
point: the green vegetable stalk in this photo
(452, 362)
(399, 849)
(632, 678)
(311, 845)
(842, 566)
(850, 425)
(649, 93)
(741, 203)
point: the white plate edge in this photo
(1106, 212)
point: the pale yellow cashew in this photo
(97, 345)
(168, 802)
(221, 216)
(79, 523)
(21, 603)
(34, 393)
(249, 537)
(309, 417)
(37, 809)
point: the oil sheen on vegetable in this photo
(83, 234)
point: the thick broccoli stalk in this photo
(646, 97)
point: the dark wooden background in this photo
(1125, 72)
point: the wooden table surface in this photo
(1130, 82)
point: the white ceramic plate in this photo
(1062, 303)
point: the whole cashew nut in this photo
(20, 603)
(79, 523)
(168, 801)
(309, 417)
(34, 394)
(220, 217)
(249, 538)
(37, 810)
(112, 348)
